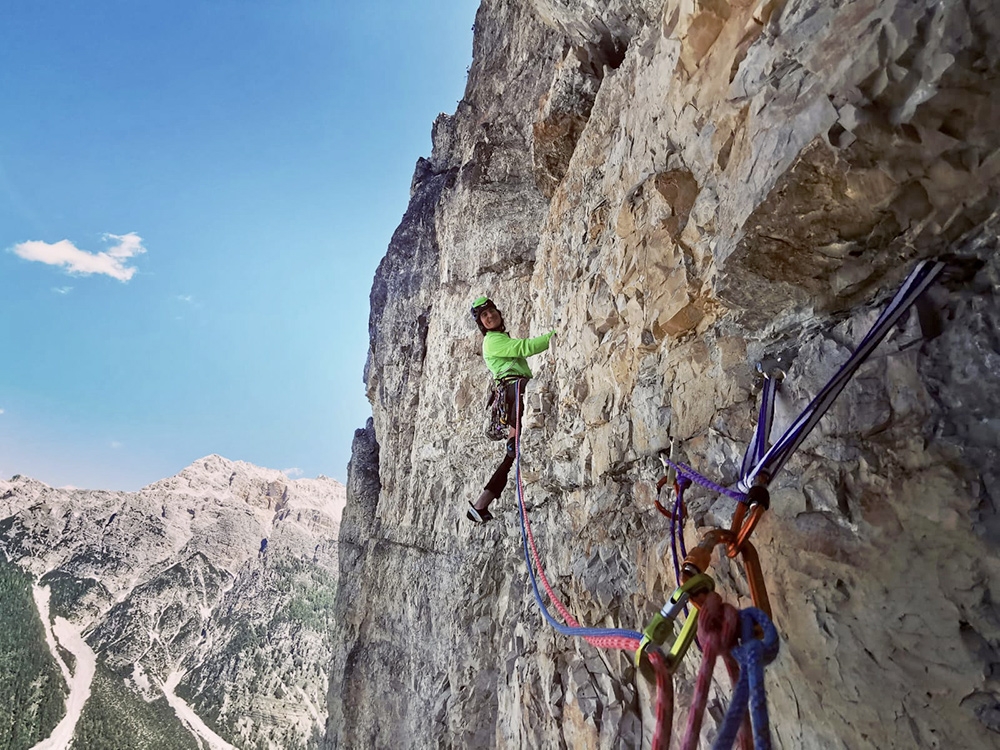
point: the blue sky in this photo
(194, 197)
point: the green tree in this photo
(32, 690)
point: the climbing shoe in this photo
(478, 516)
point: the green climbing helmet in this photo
(479, 305)
(484, 303)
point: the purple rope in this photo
(677, 534)
(759, 458)
(921, 277)
(673, 543)
(679, 511)
(765, 417)
(677, 529)
(704, 481)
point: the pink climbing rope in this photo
(664, 682)
(718, 625)
(664, 702)
(621, 642)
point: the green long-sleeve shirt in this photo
(506, 356)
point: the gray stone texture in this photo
(679, 189)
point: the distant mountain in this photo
(192, 613)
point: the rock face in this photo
(222, 576)
(681, 188)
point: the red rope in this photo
(717, 620)
(664, 702)
(541, 573)
(664, 680)
(718, 624)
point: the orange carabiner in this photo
(700, 557)
(758, 501)
(755, 578)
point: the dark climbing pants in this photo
(499, 479)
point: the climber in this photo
(505, 357)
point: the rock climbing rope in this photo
(760, 466)
(770, 463)
(611, 638)
(653, 656)
(751, 654)
(720, 623)
(744, 655)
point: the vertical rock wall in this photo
(680, 188)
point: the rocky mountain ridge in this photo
(680, 188)
(209, 590)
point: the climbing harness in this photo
(495, 424)
(497, 420)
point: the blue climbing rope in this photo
(751, 654)
(560, 627)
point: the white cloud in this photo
(116, 444)
(62, 289)
(186, 298)
(112, 263)
(1, 411)
(292, 473)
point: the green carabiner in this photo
(662, 624)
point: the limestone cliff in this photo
(681, 188)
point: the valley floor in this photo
(62, 633)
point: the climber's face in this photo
(490, 318)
